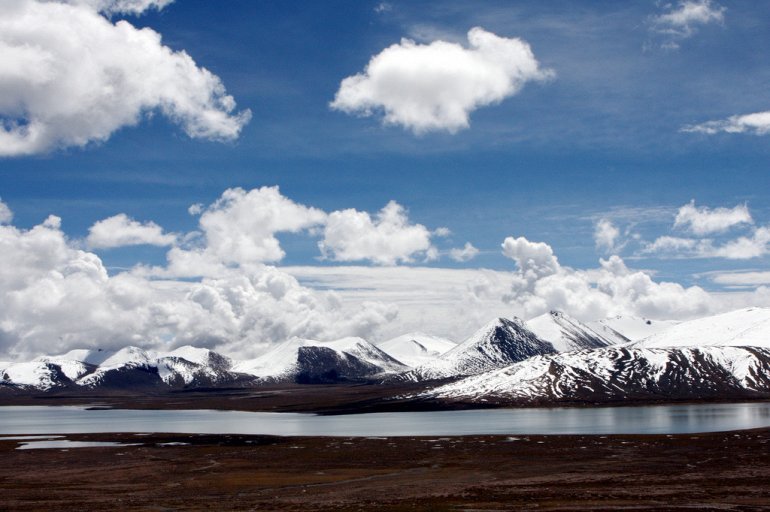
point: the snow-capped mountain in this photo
(619, 373)
(499, 343)
(632, 327)
(742, 328)
(33, 374)
(128, 367)
(414, 349)
(567, 334)
(303, 360)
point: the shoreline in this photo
(321, 399)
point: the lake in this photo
(655, 419)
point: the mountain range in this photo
(550, 358)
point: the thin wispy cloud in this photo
(705, 221)
(757, 123)
(682, 20)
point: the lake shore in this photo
(326, 399)
(235, 472)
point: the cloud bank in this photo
(436, 86)
(70, 77)
(218, 291)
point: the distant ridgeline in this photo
(551, 358)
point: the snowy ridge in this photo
(417, 348)
(33, 374)
(742, 328)
(567, 334)
(497, 344)
(311, 360)
(632, 327)
(619, 373)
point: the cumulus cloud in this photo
(455, 302)
(465, 253)
(757, 123)
(387, 239)
(706, 221)
(240, 228)
(682, 20)
(606, 235)
(435, 87)
(69, 76)
(121, 231)
(534, 259)
(55, 297)
(542, 284)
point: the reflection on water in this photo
(657, 419)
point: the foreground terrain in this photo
(727, 471)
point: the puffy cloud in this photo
(239, 228)
(466, 253)
(435, 87)
(605, 235)
(705, 221)
(121, 230)
(121, 6)
(55, 297)
(534, 259)
(69, 76)
(6, 215)
(758, 123)
(388, 239)
(681, 21)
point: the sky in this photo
(234, 174)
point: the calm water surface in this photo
(658, 419)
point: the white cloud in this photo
(455, 302)
(534, 259)
(6, 215)
(757, 123)
(121, 231)
(239, 228)
(706, 221)
(742, 278)
(69, 77)
(741, 248)
(466, 253)
(121, 6)
(388, 239)
(681, 21)
(605, 235)
(435, 87)
(55, 297)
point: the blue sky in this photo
(602, 138)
